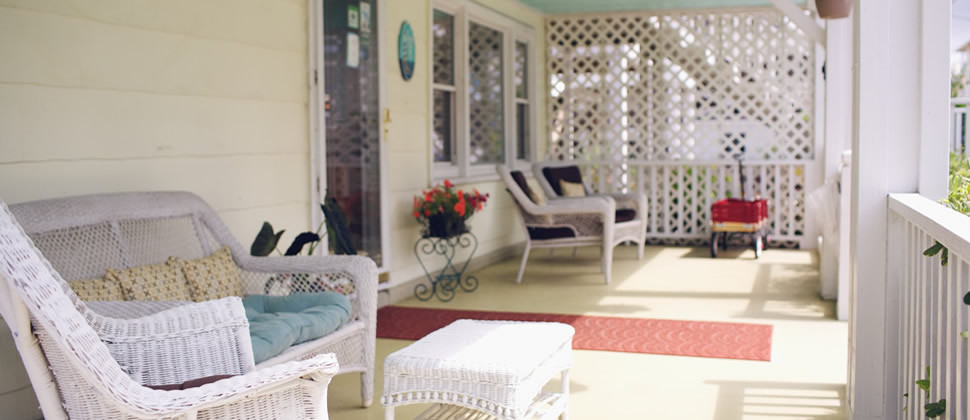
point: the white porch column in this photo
(838, 139)
(895, 128)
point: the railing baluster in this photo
(906, 311)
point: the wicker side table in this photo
(493, 367)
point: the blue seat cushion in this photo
(278, 322)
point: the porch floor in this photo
(804, 380)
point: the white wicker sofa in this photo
(83, 236)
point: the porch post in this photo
(899, 141)
(935, 105)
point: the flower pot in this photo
(833, 9)
(442, 226)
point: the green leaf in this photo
(945, 258)
(936, 409)
(966, 299)
(963, 334)
(923, 384)
(300, 241)
(933, 250)
(265, 241)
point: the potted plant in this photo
(444, 211)
(833, 9)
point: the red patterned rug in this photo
(725, 340)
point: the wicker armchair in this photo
(85, 379)
(549, 173)
(572, 222)
(83, 236)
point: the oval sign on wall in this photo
(405, 50)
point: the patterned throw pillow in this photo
(97, 289)
(213, 277)
(572, 189)
(163, 281)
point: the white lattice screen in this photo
(665, 103)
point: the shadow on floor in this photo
(738, 400)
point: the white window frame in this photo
(464, 13)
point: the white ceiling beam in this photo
(806, 23)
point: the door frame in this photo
(318, 132)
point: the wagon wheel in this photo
(714, 245)
(758, 245)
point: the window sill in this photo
(484, 176)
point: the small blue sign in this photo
(405, 50)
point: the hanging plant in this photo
(833, 9)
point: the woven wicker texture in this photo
(92, 382)
(497, 367)
(82, 237)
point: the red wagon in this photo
(739, 217)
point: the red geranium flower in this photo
(460, 206)
(448, 184)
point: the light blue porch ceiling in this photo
(586, 6)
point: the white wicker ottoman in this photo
(482, 369)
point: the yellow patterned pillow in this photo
(97, 289)
(213, 277)
(572, 189)
(163, 281)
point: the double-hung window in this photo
(482, 105)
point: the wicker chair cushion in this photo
(555, 174)
(278, 322)
(213, 277)
(520, 180)
(97, 289)
(572, 189)
(625, 215)
(537, 233)
(164, 281)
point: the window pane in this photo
(444, 133)
(443, 31)
(521, 70)
(485, 113)
(522, 131)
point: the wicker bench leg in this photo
(367, 387)
(565, 394)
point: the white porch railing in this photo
(680, 193)
(958, 112)
(925, 309)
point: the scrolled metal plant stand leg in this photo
(445, 283)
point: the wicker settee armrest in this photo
(182, 343)
(295, 386)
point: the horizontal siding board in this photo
(54, 50)
(245, 223)
(57, 123)
(279, 25)
(233, 182)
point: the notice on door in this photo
(353, 50)
(365, 19)
(353, 17)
